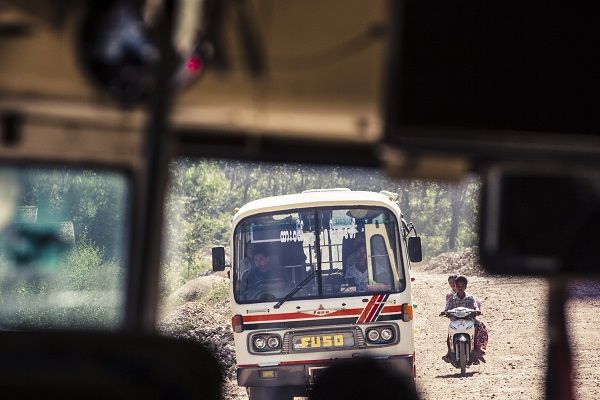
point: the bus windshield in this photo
(335, 252)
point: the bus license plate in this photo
(324, 341)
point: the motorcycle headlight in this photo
(273, 342)
(260, 343)
(387, 334)
(373, 335)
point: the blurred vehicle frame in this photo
(357, 89)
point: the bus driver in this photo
(357, 267)
(264, 272)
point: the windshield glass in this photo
(350, 251)
(63, 244)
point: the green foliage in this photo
(219, 292)
(85, 287)
(204, 194)
(196, 219)
(200, 267)
(200, 203)
(170, 279)
(84, 268)
(174, 275)
(84, 292)
(94, 201)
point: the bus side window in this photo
(349, 246)
(380, 260)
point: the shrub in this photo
(82, 292)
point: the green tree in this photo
(204, 194)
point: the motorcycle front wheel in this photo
(463, 353)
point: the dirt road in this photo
(515, 312)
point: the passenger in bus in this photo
(246, 265)
(356, 267)
(248, 261)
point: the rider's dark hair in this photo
(462, 279)
(452, 278)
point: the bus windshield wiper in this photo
(316, 271)
(295, 290)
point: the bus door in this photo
(382, 268)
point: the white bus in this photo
(318, 277)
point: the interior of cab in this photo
(113, 92)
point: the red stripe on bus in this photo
(367, 309)
(299, 315)
(363, 312)
(373, 310)
(381, 307)
(391, 309)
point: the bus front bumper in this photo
(304, 374)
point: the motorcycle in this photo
(461, 337)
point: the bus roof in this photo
(317, 198)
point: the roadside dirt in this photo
(514, 310)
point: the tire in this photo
(463, 352)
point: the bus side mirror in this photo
(414, 249)
(218, 259)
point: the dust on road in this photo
(514, 311)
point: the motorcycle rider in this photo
(452, 284)
(449, 295)
(452, 292)
(462, 299)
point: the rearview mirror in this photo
(218, 259)
(415, 253)
(540, 222)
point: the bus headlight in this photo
(387, 334)
(259, 343)
(273, 342)
(265, 343)
(373, 335)
(381, 335)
